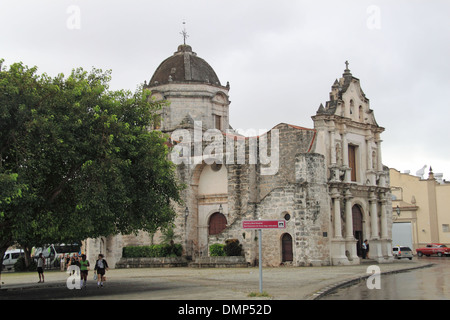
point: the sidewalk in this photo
(283, 283)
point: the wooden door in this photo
(286, 247)
(217, 223)
(357, 228)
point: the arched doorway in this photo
(358, 228)
(286, 248)
(217, 223)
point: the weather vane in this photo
(184, 32)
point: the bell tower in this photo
(193, 89)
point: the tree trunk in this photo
(3, 249)
(27, 256)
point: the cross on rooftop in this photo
(184, 33)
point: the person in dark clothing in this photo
(366, 249)
(100, 267)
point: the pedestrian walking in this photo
(100, 267)
(84, 268)
(40, 267)
(74, 261)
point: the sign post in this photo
(259, 225)
(260, 261)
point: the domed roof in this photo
(184, 66)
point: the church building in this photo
(327, 183)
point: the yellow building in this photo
(420, 209)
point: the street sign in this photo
(264, 224)
(259, 225)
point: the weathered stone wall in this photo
(152, 262)
(299, 189)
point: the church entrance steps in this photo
(368, 261)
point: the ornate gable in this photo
(348, 100)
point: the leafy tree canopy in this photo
(78, 160)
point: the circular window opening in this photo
(216, 166)
(287, 216)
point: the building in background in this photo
(420, 208)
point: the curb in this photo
(328, 289)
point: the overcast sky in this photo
(280, 57)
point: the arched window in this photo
(217, 223)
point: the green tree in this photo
(82, 157)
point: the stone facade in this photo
(358, 183)
(328, 182)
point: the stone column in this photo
(375, 249)
(379, 163)
(373, 216)
(345, 158)
(338, 243)
(350, 241)
(382, 182)
(334, 166)
(371, 168)
(348, 216)
(333, 160)
(386, 242)
(369, 164)
(337, 215)
(384, 224)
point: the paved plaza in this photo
(282, 283)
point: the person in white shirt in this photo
(40, 267)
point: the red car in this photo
(433, 248)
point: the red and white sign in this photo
(264, 224)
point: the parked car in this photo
(10, 258)
(402, 252)
(433, 248)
